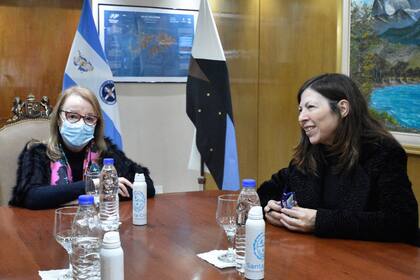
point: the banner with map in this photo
(145, 44)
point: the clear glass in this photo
(226, 218)
(92, 186)
(63, 221)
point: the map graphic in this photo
(147, 44)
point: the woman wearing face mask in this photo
(51, 175)
(348, 174)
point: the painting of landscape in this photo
(385, 59)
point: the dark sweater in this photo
(33, 189)
(375, 203)
(75, 160)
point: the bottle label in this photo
(139, 201)
(259, 246)
(254, 267)
(254, 255)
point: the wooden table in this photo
(181, 225)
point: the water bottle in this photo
(139, 200)
(86, 241)
(248, 197)
(109, 201)
(112, 257)
(91, 178)
(255, 244)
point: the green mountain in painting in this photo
(408, 35)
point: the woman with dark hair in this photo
(348, 174)
(50, 175)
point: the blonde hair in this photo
(53, 146)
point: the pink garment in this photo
(61, 171)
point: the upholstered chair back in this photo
(13, 138)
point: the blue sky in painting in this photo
(359, 2)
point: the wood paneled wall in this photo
(414, 174)
(294, 40)
(35, 39)
(238, 25)
(271, 47)
(298, 39)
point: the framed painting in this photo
(145, 44)
(381, 53)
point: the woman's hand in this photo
(298, 219)
(273, 213)
(123, 184)
(295, 219)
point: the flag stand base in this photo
(201, 183)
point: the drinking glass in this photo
(92, 185)
(226, 218)
(63, 222)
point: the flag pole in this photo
(202, 179)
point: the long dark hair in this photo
(351, 129)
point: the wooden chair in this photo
(29, 121)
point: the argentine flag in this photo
(88, 67)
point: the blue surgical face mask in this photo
(76, 135)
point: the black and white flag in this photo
(209, 103)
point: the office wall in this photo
(35, 38)
(298, 39)
(271, 47)
(238, 25)
(156, 129)
(157, 132)
(413, 173)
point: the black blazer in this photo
(33, 189)
(376, 201)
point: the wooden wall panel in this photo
(271, 47)
(35, 39)
(298, 39)
(238, 22)
(414, 174)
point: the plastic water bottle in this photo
(91, 178)
(255, 244)
(109, 201)
(112, 257)
(86, 241)
(139, 200)
(248, 197)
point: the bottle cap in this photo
(255, 213)
(248, 183)
(86, 199)
(111, 239)
(139, 177)
(108, 161)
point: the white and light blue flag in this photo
(88, 67)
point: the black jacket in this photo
(375, 203)
(33, 189)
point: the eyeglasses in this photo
(73, 117)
